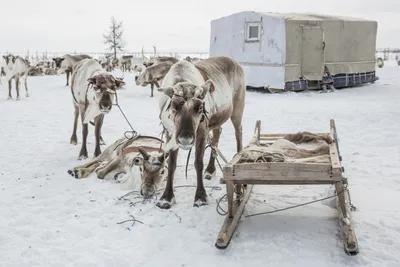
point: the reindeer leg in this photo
(98, 122)
(17, 87)
(200, 198)
(74, 138)
(67, 73)
(84, 170)
(210, 170)
(168, 197)
(9, 89)
(26, 85)
(83, 154)
(112, 165)
(152, 89)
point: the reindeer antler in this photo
(155, 50)
(145, 155)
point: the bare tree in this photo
(113, 38)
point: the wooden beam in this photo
(346, 223)
(282, 166)
(230, 223)
(277, 181)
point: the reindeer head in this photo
(58, 61)
(10, 61)
(152, 169)
(143, 78)
(104, 86)
(187, 110)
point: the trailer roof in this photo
(302, 16)
(311, 16)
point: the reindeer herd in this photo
(198, 97)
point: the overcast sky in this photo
(171, 25)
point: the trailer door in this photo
(312, 53)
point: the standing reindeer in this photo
(198, 99)
(66, 63)
(93, 92)
(153, 71)
(153, 75)
(15, 67)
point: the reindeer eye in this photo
(198, 106)
(177, 104)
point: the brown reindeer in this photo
(153, 75)
(198, 99)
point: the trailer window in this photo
(253, 32)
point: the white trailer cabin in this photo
(289, 51)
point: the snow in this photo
(49, 218)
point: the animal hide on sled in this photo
(301, 147)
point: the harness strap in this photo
(136, 149)
(130, 141)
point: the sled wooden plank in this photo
(298, 181)
(230, 223)
(335, 161)
(283, 166)
(283, 134)
(350, 243)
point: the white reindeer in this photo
(139, 155)
(93, 91)
(15, 68)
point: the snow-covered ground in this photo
(47, 218)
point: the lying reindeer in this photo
(140, 153)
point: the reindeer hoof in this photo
(17, 98)
(119, 177)
(198, 203)
(81, 157)
(27, 94)
(200, 199)
(9, 98)
(75, 173)
(165, 205)
(208, 175)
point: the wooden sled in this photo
(236, 174)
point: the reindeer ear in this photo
(208, 86)
(16, 57)
(62, 58)
(169, 91)
(5, 57)
(92, 80)
(162, 157)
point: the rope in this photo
(132, 132)
(223, 212)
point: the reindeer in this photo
(140, 153)
(125, 63)
(153, 75)
(15, 68)
(194, 60)
(66, 63)
(35, 71)
(156, 60)
(93, 91)
(198, 99)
